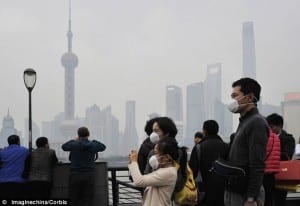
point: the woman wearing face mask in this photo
(161, 182)
(162, 127)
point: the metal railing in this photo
(121, 189)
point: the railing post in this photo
(115, 187)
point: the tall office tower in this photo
(69, 61)
(224, 118)
(104, 127)
(8, 128)
(130, 138)
(110, 132)
(249, 61)
(291, 113)
(174, 106)
(52, 129)
(212, 90)
(195, 114)
(93, 120)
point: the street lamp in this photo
(29, 77)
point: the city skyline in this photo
(133, 50)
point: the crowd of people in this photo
(256, 147)
(26, 174)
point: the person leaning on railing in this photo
(82, 157)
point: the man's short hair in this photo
(83, 132)
(41, 142)
(275, 119)
(248, 86)
(211, 127)
(198, 135)
(13, 139)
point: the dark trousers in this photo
(269, 186)
(39, 189)
(279, 197)
(81, 189)
(234, 199)
(212, 202)
(11, 190)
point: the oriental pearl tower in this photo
(69, 61)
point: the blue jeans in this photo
(235, 199)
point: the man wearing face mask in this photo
(249, 144)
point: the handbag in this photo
(234, 178)
(289, 172)
(288, 187)
(199, 180)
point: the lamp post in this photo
(29, 77)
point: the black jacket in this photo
(82, 154)
(287, 145)
(144, 150)
(248, 149)
(211, 149)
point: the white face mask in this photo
(233, 106)
(154, 138)
(153, 161)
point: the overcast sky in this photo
(132, 49)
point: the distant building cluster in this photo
(203, 102)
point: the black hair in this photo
(149, 125)
(248, 86)
(169, 145)
(167, 125)
(275, 119)
(13, 139)
(198, 135)
(41, 142)
(211, 127)
(83, 132)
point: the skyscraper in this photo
(212, 89)
(249, 61)
(111, 132)
(174, 108)
(195, 114)
(69, 61)
(93, 120)
(130, 137)
(104, 127)
(8, 128)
